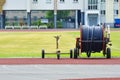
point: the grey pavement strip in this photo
(56, 72)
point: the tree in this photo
(62, 14)
(49, 15)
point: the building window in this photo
(6, 19)
(24, 18)
(75, 1)
(48, 1)
(115, 0)
(16, 12)
(102, 0)
(102, 12)
(35, 12)
(116, 12)
(62, 1)
(92, 4)
(35, 18)
(15, 18)
(35, 1)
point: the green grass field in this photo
(30, 44)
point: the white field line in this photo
(116, 48)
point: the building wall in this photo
(116, 9)
(102, 12)
(42, 5)
(15, 5)
(109, 12)
(119, 8)
(109, 8)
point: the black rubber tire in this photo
(58, 56)
(88, 54)
(75, 54)
(104, 50)
(43, 53)
(108, 55)
(104, 53)
(71, 53)
(77, 51)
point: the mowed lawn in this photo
(29, 44)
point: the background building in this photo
(87, 12)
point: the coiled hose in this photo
(91, 39)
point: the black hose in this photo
(92, 39)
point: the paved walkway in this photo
(57, 72)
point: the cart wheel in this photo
(71, 53)
(77, 51)
(88, 54)
(104, 50)
(108, 53)
(43, 53)
(75, 54)
(58, 56)
(104, 53)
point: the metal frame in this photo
(106, 44)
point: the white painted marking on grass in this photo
(116, 48)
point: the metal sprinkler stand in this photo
(58, 52)
(57, 46)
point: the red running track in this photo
(94, 61)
